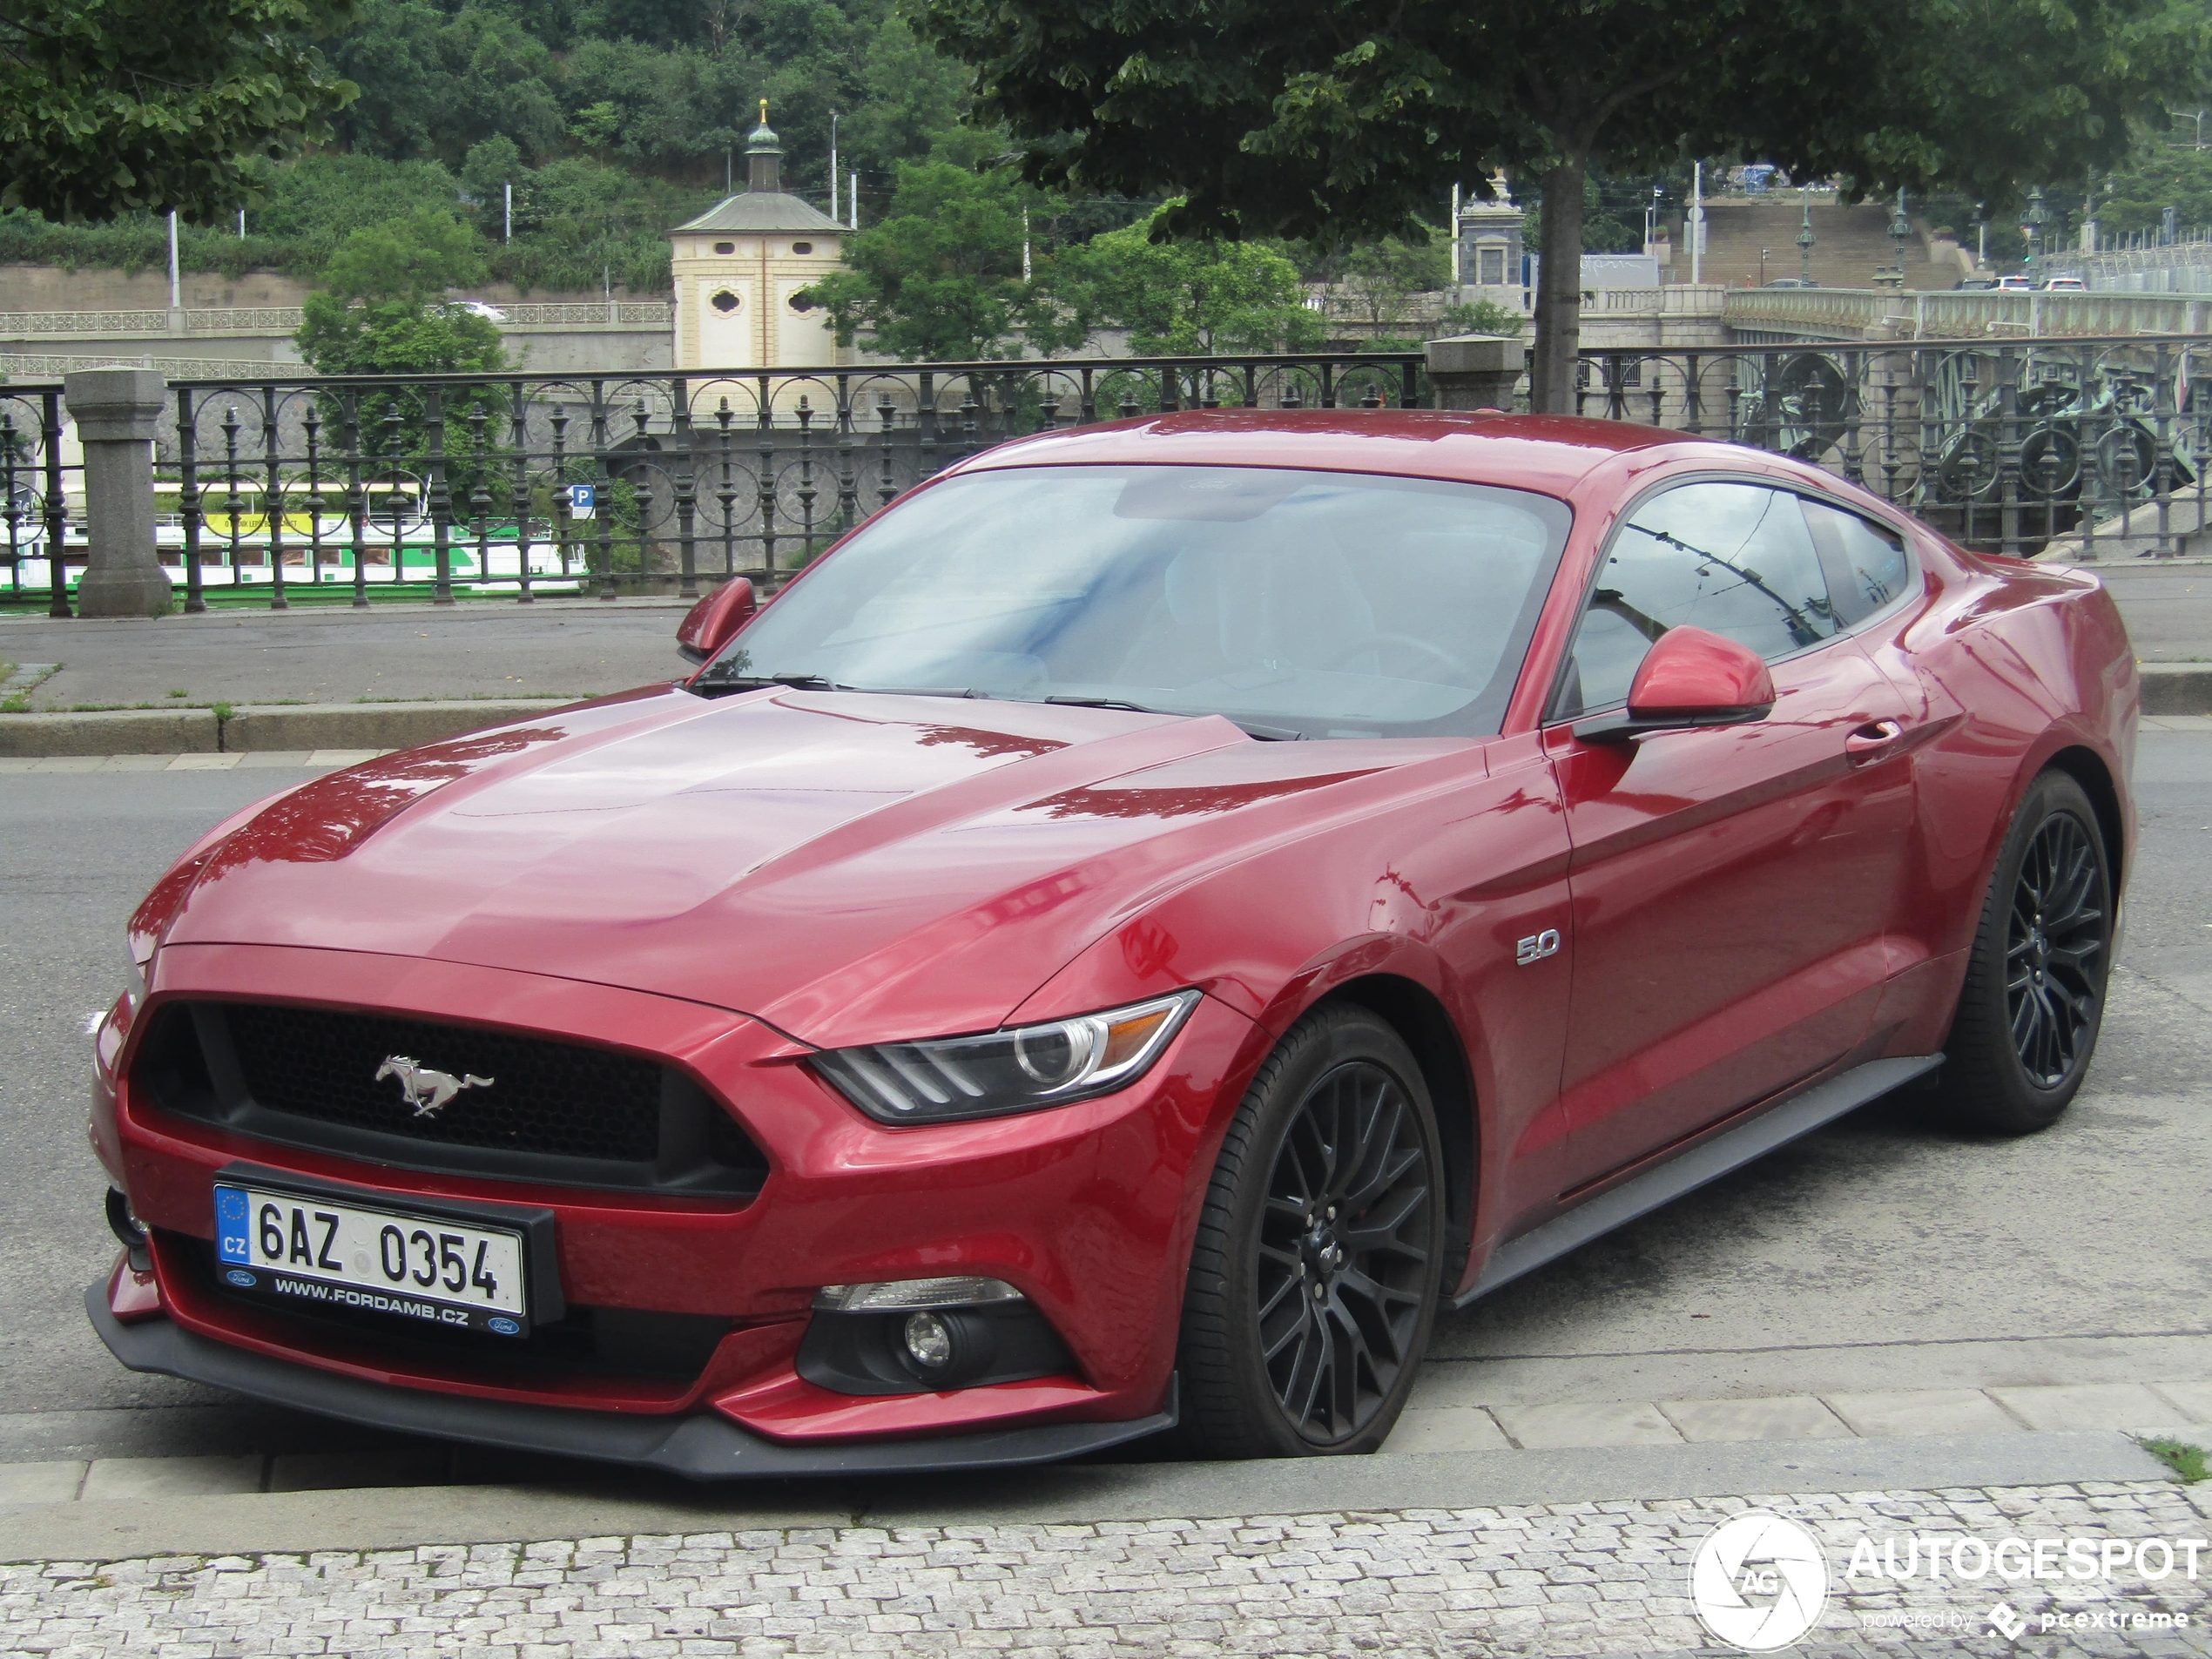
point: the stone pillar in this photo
(1475, 371)
(115, 410)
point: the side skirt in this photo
(1687, 1171)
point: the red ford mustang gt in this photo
(1114, 945)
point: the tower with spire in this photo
(742, 268)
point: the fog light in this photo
(929, 1344)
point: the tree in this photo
(1348, 121)
(381, 309)
(1377, 281)
(1179, 298)
(940, 276)
(108, 106)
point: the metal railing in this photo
(2006, 446)
(37, 481)
(524, 484)
(267, 488)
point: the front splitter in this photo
(697, 1445)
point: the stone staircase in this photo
(1850, 245)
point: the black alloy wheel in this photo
(1314, 1282)
(2033, 998)
(2054, 950)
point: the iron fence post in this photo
(57, 511)
(686, 487)
(848, 498)
(273, 501)
(313, 423)
(356, 497)
(603, 513)
(726, 492)
(434, 445)
(518, 490)
(764, 485)
(806, 481)
(188, 501)
(480, 487)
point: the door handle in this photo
(1872, 741)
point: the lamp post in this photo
(1900, 228)
(2032, 228)
(1981, 236)
(1804, 248)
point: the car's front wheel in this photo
(2034, 1000)
(1313, 1281)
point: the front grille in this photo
(563, 1113)
(543, 1097)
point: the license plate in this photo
(313, 1253)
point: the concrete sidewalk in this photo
(307, 679)
(555, 648)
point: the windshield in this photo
(1298, 603)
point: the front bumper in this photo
(1087, 1210)
(700, 1446)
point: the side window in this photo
(1734, 558)
(1865, 562)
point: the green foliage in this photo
(1483, 317)
(111, 106)
(413, 260)
(940, 278)
(1189, 297)
(1347, 121)
(2188, 1461)
(1376, 281)
(2168, 169)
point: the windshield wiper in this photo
(1249, 728)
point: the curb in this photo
(580, 1502)
(2176, 688)
(370, 725)
(287, 726)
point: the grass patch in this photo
(2187, 1461)
(222, 712)
(19, 704)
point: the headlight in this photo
(1022, 1070)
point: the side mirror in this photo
(1689, 678)
(713, 623)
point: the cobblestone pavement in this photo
(1563, 1579)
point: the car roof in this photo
(1548, 453)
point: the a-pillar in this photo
(1475, 371)
(115, 411)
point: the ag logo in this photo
(1759, 1582)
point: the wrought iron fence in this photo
(522, 485)
(2006, 445)
(37, 479)
(527, 485)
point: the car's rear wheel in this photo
(1313, 1281)
(2034, 1000)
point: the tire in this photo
(2034, 1000)
(1281, 1260)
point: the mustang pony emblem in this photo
(427, 1091)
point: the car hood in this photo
(846, 867)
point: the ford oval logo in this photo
(505, 1326)
(240, 1277)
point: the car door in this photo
(1729, 887)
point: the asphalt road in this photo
(1887, 1251)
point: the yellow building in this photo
(741, 267)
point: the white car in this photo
(478, 308)
(2014, 283)
(2066, 284)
